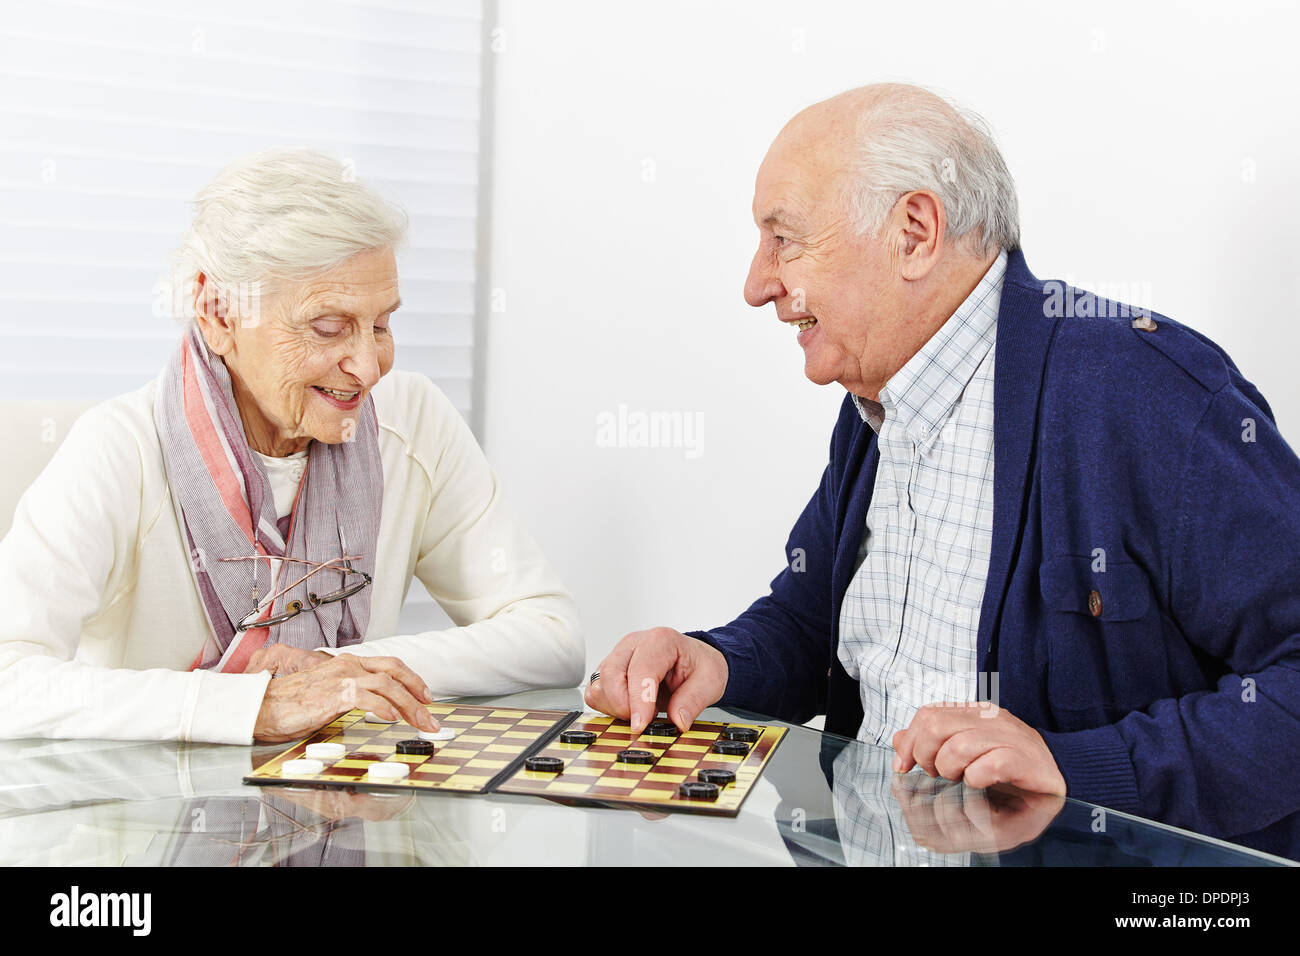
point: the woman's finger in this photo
(396, 669)
(395, 693)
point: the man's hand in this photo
(307, 700)
(658, 669)
(283, 659)
(979, 743)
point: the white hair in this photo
(280, 216)
(911, 139)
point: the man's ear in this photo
(921, 224)
(212, 310)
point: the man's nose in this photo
(762, 285)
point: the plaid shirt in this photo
(910, 616)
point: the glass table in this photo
(822, 801)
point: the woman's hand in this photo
(283, 659)
(297, 704)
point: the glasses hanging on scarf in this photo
(294, 608)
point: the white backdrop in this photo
(1155, 151)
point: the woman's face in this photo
(303, 363)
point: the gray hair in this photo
(908, 139)
(282, 215)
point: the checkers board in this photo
(493, 746)
(488, 741)
(593, 773)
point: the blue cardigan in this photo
(1137, 464)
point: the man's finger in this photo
(904, 761)
(994, 765)
(612, 685)
(930, 729)
(703, 673)
(926, 747)
(608, 693)
(697, 692)
(958, 751)
(650, 662)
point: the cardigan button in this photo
(1145, 323)
(1094, 603)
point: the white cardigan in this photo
(100, 617)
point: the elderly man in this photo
(1089, 519)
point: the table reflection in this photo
(822, 801)
(90, 803)
(890, 819)
(884, 818)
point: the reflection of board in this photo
(494, 745)
(593, 773)
(488, 741)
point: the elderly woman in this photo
(259, 508)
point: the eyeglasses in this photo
(314, 600)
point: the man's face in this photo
(330, 332)
(812, 264)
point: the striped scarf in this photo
(225, 509)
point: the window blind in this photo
(113, 114)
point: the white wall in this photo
(1157, 149)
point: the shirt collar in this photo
(923, 392)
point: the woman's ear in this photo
(212, 312)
